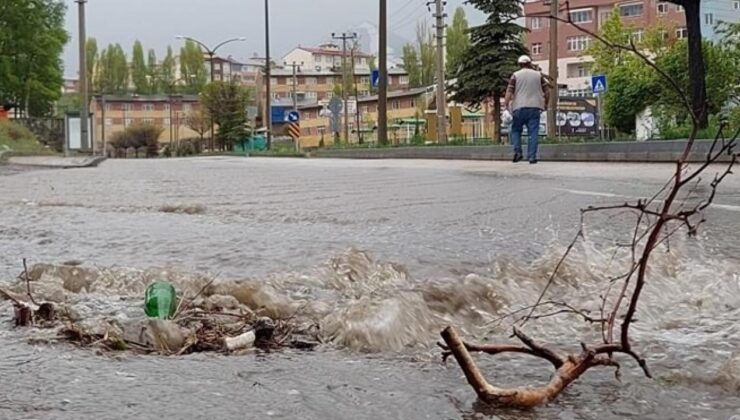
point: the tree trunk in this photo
(497, 117)
(697, 74)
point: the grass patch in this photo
(16, 140)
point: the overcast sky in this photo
(306, 22)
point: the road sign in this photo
(335, 106)
(294, 116)
(598, 83)
(294, 130)
(376, 78)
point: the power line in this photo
(409, 17)
(405, 5)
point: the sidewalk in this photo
(56, 161)
(649, 151)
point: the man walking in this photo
(526, 97)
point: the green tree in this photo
(487, 65)
(192, 68)
(411, 65)
(112, 74)
(167, 72)
(697, 66)
(139, 70)
(427, 53)
(632, 83)
(458, 40)
(32, 38)
(225, 103)
(152, 70)
(91, 48)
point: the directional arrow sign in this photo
(598, 83)
(294, 116)
(376, 78)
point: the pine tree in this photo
(487, 65)
(458, 40)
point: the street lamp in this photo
(211, 53)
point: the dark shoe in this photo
(533, 162)
(518, 158)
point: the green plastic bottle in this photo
(160, 300)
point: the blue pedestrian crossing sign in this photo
(376, 78)
(294, 116)
(598, 83)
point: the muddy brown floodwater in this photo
(382, 254)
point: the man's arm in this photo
(510, 92)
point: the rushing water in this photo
(382, 255)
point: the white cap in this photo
(524, 59)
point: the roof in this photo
(148, 98)
(327, 72)
(332, 52)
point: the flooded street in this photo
(382, 255)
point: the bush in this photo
(187, 147)
(19, 139)
(138, 136)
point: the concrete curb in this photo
(650, 151)
(57, 161)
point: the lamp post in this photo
(268, 77)
(211, 54)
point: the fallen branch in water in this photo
(657, 219)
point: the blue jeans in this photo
(531, 118)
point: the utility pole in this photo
(295, 84)
(85, 112)
(345, 37)
(554, 92)
(383, 74)
(357, 97)
(268, 76)
(441, 85)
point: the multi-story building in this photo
(327, 57)
(226, 69)
(71, 86)
(171, 112)
(315, 85)
(574, 63)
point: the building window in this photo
(109, 121)
(536, 48)
(108, 107)
(312, 95)
(637, 36)
(736, 5)
(413, 102)
(396, 104)
(682, 33)
(662, 8)
(535, 23)
(127, 122)
(310, 80)
(365, 80)
(167, 121)
(317, 58)
(166, 107)
(128, 107)
(404, 80)
(582, 16)
(583, 71)
(679, 8)
(364, 93)
(709, 18)
(578, 43)
(147, 107)
(148, 121)
(631, 10)
(663, 35)
(186, 107)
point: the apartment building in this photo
(574, 64)
(114, 113)
(327, 57)
(315, 85)
(228, 68)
